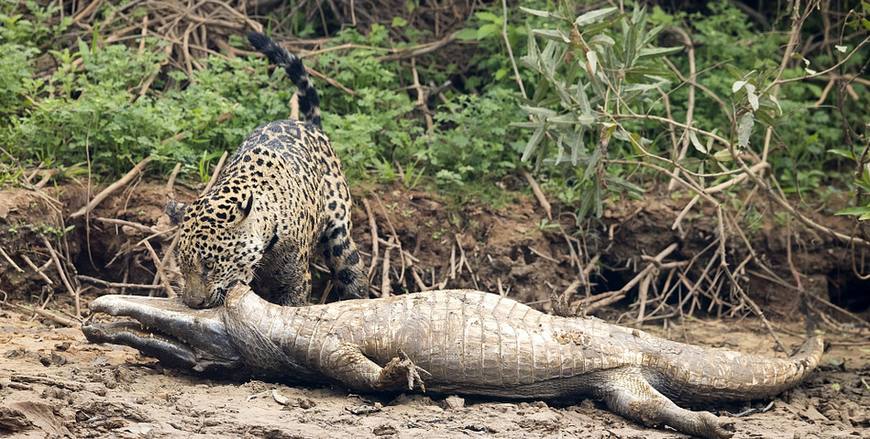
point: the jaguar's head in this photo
(220, 242)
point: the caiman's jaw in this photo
(166, 329)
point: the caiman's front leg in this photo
(348, 364)
(629, 394)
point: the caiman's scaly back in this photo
(463, 341)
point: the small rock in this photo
(53, 359)
(305, 403)
(63, 347)
(15, 353)
(539, 404)
(279, 398)
(55, 393)
(480, 428)
(365, 409)
(838, 363)
(12, 420)
(453, 402)
(384, 430)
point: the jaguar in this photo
(280, 198)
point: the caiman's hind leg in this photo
(629, 394)
(348, 364)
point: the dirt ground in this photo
(53, 383)
(67, 386)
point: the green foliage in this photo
(592, 69)
(477, 139)
(593, 79)
(599, 90)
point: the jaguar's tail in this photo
(309, 102)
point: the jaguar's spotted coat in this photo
(280, 196)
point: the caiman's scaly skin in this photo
(456, 341)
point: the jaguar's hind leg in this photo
(284, 279)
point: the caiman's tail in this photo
(309, 103)
(695, 374)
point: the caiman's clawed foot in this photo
(629, 394)
(714, 426)
(401, 368)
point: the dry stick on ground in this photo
(539, 194)
(724, 265)
(419, 281)
(158, 264)
(172, 229)
(373, 229)
(561, 303)
(107, 284)
(37, 270)
(62, 274)
(170, 184)
(385, 273)
(63, 320)
(166, 256)
(11, 262)
(120, 222)
(464, 260)
(604, 299)
(394, 239)
(129, 176)
(575, 258)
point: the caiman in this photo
(455, 341)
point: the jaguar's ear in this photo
(245, 207)
(175, 210)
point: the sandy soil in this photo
(63, 385)
(53, 383)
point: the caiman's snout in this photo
(166, 329)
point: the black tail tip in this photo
(259, 41)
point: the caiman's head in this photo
(169, 330)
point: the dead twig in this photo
(217, 169)
(421, 97)
(605, 299)
(62, 320)
(385, 273)
(504, 30)
(690, 104)
(62, 274)
(373, 229)
(539, 194)
(127, 178)
(158, 264)
(723, 262)
(170, 184)
(37, 270)
(120, 222)
(11, 262)
(108, 284)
